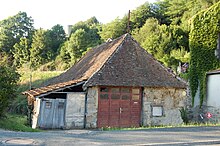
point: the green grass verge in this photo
(162, 126)
(16, 123)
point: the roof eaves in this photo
(51, 88)
(213, 72)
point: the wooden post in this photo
(128, 24)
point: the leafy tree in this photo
(77, 44)
(158, 11)
(12, 29)
(140, 15)
(56, 36)
(113, 29)
(8, 80)
(162, 40)
(84, 35)
(40, 51)
(21, 52)
(86, 25)
(64, 53)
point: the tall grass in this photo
(16, 123)
(19, 105)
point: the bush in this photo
(8, 82)
(184, 115)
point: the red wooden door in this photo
(119, 107)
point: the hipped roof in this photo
(121, 62)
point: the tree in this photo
(77, 44)
(140, 15)
(113, 29)
(12, 29)
(21, 52)
(8, 80)
(40, 51)
(56, 37)
(84, 35)
(162, 40)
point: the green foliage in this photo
(40, 51)
(56, 37)
(184, 115)
(113, 29)
(19, 104)
(77, 44)
(11, 30)
(168, 44)
(84, 35)
(203, 42)
(21, 52)
(16, 123)
(8, 80)
(140, 15)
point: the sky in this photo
(47, 13)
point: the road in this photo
(158, 136)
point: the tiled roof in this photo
(131, 65)
(121, 62)
(92, 61)
(52, 88)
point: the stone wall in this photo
(171, 100)
(75, 110)
(92, 107)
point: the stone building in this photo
(116, 84)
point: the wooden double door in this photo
(52, 113)
(119, 107)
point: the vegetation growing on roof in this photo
(203, 41)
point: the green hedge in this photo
(203, 42)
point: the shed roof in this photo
(217, 71)
(121, 62)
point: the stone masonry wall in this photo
(92, 107)
(171, 101)
(75, 110)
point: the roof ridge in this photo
(109, 58)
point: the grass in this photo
(16, 123)
(38, 77)
(162, 126)
(19, 104)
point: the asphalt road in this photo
(160, 136)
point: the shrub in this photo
(8, 82)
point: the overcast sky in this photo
(47, 13)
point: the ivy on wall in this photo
(203, 42)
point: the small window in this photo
(135, 97)
(125, 97)
(48, 104)
(104, 96)
(104, 89)
(115, 96)
(135, 91)
(125, 90)
(157, 111)
(115, 90)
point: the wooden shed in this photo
(116, 84)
